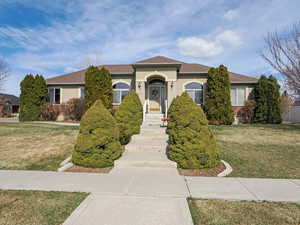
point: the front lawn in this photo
(271, 151)
(32, 146)
(217, 212)
(37, 207)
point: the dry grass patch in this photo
(261, 150)
(216, 212)
(35, 146)
(37, 207)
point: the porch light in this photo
(139, 84)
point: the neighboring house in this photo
(293, 114)
(157, 81)
(9, 104)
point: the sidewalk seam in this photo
(250, 192)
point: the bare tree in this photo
(282, 52)
(3, 72)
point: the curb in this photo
(227, 171)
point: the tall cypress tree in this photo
(40, 89)
(33, 94)
(267, 98)
(98, 85)
(28, 101)
(274, 114)
(261, 99)
(217, 105)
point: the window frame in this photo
(120, 90)
(194, 90)
(54, 95)
(236, 96)
(81, 93)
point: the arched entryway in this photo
(156, 94)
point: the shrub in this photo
(247, 112)
(192, 144)
(33, 96)
(98, 85)
(75, 108)
(49, 111)
(267, 98)
(217, 105)
(98, 143)
(129, 117)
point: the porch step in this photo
(144, 159)
(154, 116)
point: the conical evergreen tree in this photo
(40, 89)
(98, 143)
(98, 85)
(129, 117)
(274, 114)
(29, 108)
(217, 105)
(261, 98)
(192, 144)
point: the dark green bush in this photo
(129, 117)
(98, 143)
(191, 143)
(217, 105)
(98, 85)
(267, 98)
(33, 96)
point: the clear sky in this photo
(53, 37)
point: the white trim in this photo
(154, 74)
(120, 89)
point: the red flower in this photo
(165, 119)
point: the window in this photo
(81, 92)
(54, 95)
(195, 91)
(120, 90)
(238, 96)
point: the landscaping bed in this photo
(37, 207)
(263, 151)
(76, 168)
(216, 212)
(202, 172)
(32, 146)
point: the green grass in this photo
(37, 207)
(221, 212)
(33, 146)
(263, 151)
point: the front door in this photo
(155, 95)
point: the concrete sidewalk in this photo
(146, 196)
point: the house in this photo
(157, 81)
(9, 104)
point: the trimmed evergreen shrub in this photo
(217, 105)
(191, 143)
(33, 95)
(98, 143)
(98, 85)
(129, 117)
(267, 98)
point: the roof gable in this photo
(159, 60)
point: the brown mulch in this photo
(203, 172)
(89, 170)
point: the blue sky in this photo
(60, 36)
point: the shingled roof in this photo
(184, 68)
(14, 100)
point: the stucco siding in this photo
(170, 74)
(68, 93)
(129, 79)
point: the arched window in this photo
(195, 91)
(120, 90)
